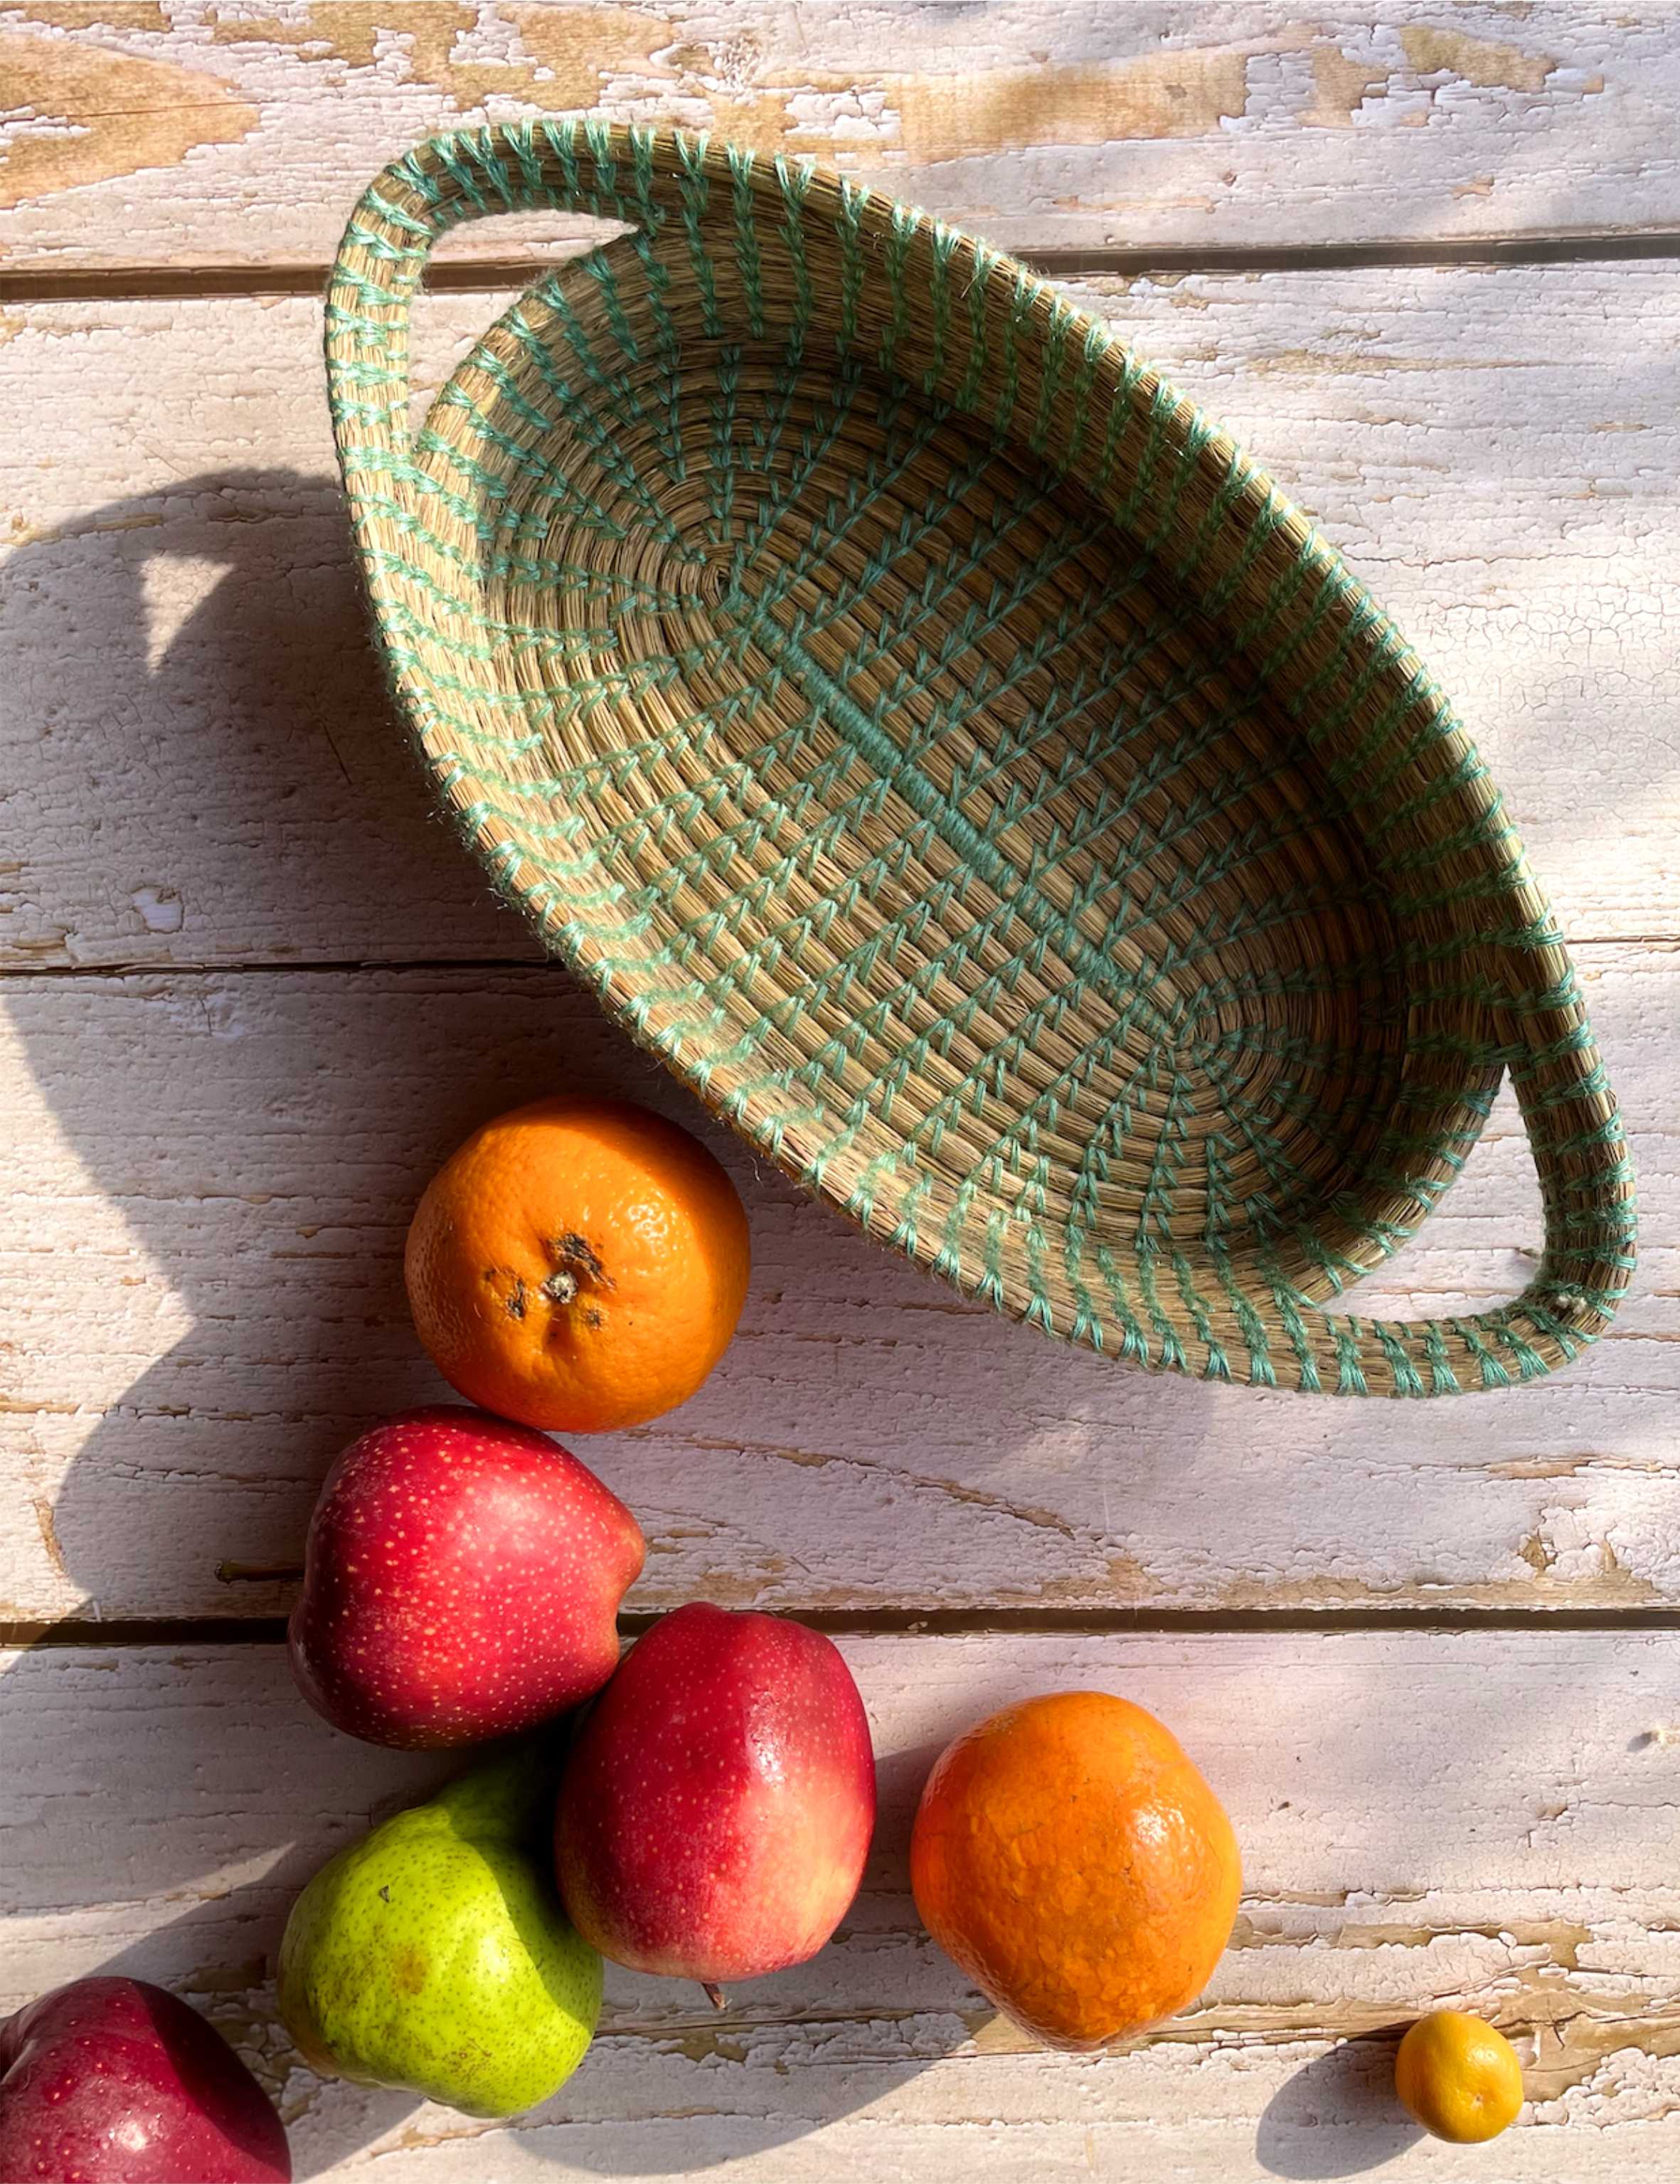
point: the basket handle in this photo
(1586, 1194)
(640, 177)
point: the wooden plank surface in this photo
(1424, 1820)
(213, 1155)
(148, 132)
(200, 763)
(209, 1178)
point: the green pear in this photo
(434, 1955)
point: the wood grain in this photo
(1084, 124)
(208, 1180)
(199, 760)
(1481, 1820)
(211, 1160)
(116, 114)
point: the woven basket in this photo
(932, 737)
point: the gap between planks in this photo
(174, 283)
(427, 966)
(935, 1623)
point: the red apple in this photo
(115, 2081)
(718, 1805)
(462, 1581)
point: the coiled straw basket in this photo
(931, 736)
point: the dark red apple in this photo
(462, 1581)
(115, 2081)
(717, 1807)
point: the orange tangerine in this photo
(578, 1265)
(1074, 1863)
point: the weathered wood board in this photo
(145, 132)
(201, 765)
(1484, 1818)
(216, 1123)
(200, 1280)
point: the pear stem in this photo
(714, 1994)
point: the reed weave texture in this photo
(932, 738)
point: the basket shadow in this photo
(219, 740)
(196, 672)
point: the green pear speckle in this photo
(434, 1955)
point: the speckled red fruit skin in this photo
(461, 1582)
(718, 1805)
(115, 2081)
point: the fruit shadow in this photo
(1337, 2115)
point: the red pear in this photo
(462, 1581)
(116, 2081)
(718, 1805)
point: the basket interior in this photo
(917, 758)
